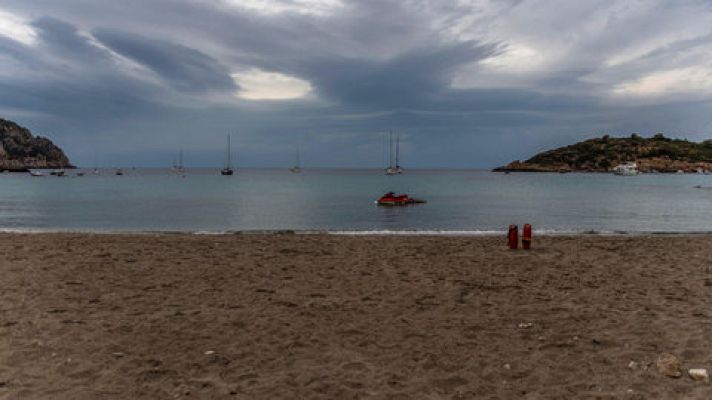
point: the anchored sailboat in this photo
(296, 168)
(228, 167)
(179, 166)
(391, 170)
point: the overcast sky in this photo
(468, 83)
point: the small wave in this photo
(373, 232)
(417, 232)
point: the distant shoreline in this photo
(26, 170)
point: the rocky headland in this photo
(20, 151)
(657, 153)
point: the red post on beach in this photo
(513, 237)
(527, 237)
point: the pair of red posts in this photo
(513, 237)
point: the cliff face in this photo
(20, 151)
(603, 154)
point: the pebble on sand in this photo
(525, 325)
(669, 365)
(209, 352)
(699, 374)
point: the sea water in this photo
(458, 201)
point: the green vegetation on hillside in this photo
(602, 154)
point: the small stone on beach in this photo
(209, 352)
(525, 325)
(699, 374)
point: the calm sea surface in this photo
(473, 201)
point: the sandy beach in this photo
(95, 316)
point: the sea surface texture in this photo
(201, 200)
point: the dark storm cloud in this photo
(184, 68)
(61, 37)
(467, 83)
(70, 77)
(414, 79)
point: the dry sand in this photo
(333, 317)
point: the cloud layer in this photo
(468, 83)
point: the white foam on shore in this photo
(540, 232)
(380, 232)
(416, 233)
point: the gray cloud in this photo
(62, 38)
(416, 79)
(183, 67)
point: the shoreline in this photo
(358, 233)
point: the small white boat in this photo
(36, 173)
(626, 169)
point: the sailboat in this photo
(296, 168)
(391, 170)
(95, 169)
(179, 166)
(228, 168)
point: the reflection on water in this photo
(204, 200)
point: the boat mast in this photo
(228, 151)
(397, 150)
(390, 149)
(297, 164)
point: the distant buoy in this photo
(513, 237)
(527, 237)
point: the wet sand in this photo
(336, 317)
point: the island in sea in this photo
(20, 151)
(603, 154)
